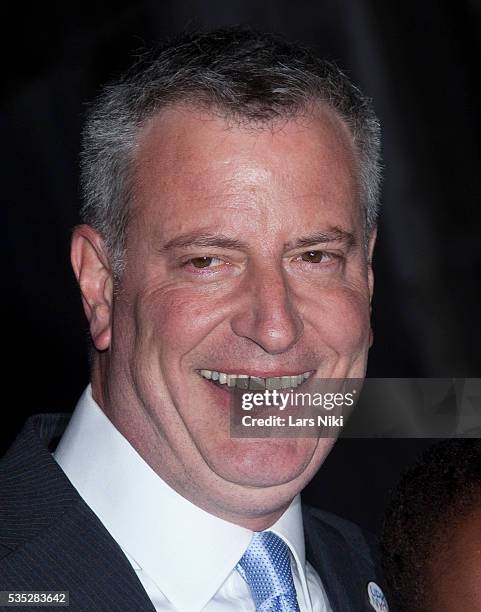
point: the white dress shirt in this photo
(184, 557)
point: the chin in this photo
(263, 463)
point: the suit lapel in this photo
(77, 555)
(321, 544)
(342, 560)
(55, 541)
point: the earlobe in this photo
(91, 266)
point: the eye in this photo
(315, 257)
(205, 262)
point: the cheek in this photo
(177, 320)
(341, 319)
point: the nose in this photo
(269, 316)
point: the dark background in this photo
(420, 64)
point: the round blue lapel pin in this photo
(376, 597)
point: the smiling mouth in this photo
(254, 383)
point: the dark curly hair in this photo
(432, 497)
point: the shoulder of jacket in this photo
(356, 539)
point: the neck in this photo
(259, 522)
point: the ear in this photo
(370, 274)
(91, 266)
(370, 253)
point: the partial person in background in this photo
(432, 532)
(230, 185)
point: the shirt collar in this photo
(186, 551)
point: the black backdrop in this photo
(418, 61)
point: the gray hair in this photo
(250, 77)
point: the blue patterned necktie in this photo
(266, 567)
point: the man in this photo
(230, 193)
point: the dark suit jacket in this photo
(50, 540)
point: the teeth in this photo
(273, 383)
(242, 381)
(255, 383)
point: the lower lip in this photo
(221, 393)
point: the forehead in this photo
(192, 164)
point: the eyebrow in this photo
(195, 239)
(335, 234)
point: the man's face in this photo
(245, 255)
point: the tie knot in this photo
(266, 566)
